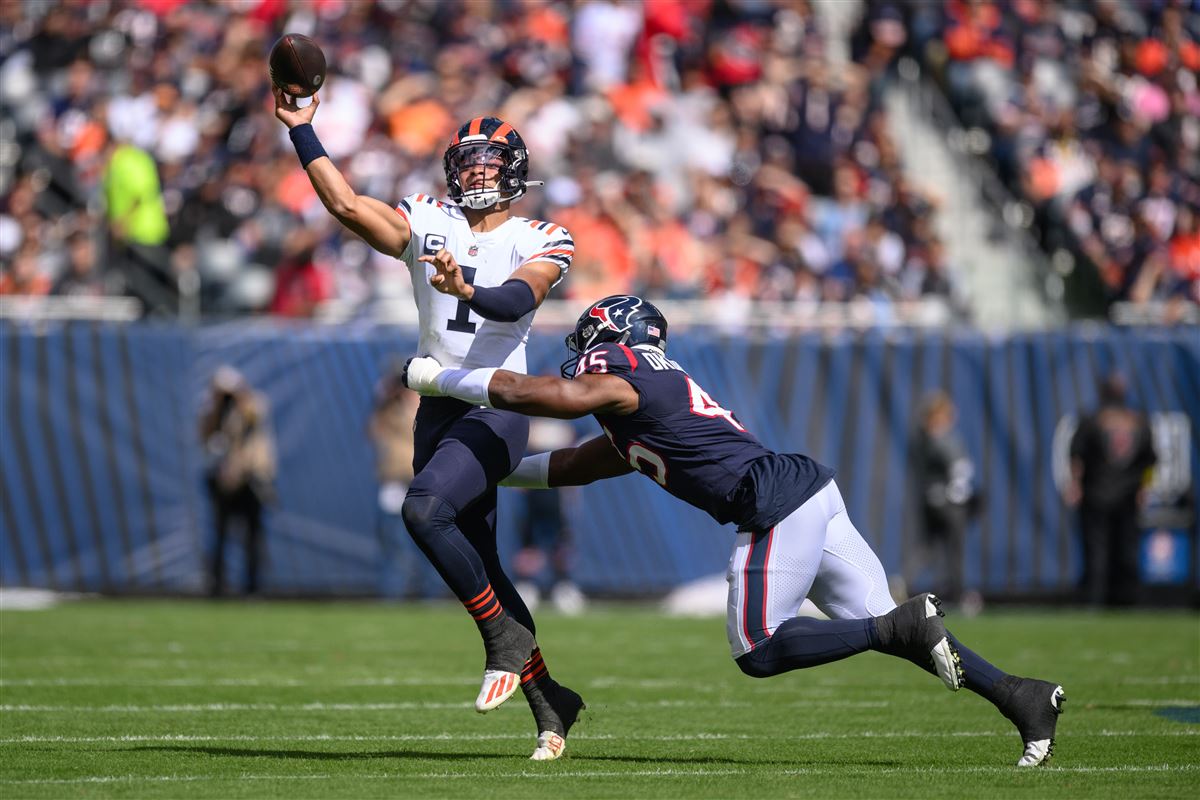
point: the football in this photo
(297, 65)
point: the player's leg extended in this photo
(852, 584)
(473, 451)
(770, 573)
(554, 707)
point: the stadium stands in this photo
(696, 150)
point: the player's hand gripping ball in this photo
(297, 65)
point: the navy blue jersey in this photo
(695, 449)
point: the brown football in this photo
(297, 65)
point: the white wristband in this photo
(532, 473)
(470, 385)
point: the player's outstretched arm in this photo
(544, 396)
(377, 223)
(594, 460)
(538, 396)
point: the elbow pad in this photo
(507, 302)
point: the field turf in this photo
(348, 700)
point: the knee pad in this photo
(425, 515)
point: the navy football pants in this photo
(460, 453)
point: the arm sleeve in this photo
(507, 302)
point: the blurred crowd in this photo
(1092, 110)
(694, 148)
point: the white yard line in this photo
(576, 774)
(403, 706)
(274, 682)
(479, 737)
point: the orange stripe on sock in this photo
(495, 612)
(480, 598)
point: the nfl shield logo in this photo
(473, 250)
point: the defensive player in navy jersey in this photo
(794, 539)
(478, 273)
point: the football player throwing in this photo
(478, 273)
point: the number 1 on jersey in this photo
(462, 318)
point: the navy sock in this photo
(980, 676)
(802, 642)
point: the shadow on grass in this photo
(320, 755)
(428, 755)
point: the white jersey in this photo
(450, 331)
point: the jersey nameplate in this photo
(657, 361)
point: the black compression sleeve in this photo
(507, 302)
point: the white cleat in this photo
(1036, 753)
(549, 747)
(946, 659)
(497, 687)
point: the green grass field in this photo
(349, 700)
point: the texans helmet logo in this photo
(614, 313)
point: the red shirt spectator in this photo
(301, 284)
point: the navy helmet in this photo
(621, 318)
(492, 142)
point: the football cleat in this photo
(549, 747)
(914, 630)
(555, 708)
(509, 645)
(497, 687)
(1033, 706)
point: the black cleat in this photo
(914, 630)
(1033, 706)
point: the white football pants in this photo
(816, 552)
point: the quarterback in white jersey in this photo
(451, 331)
(479, 273)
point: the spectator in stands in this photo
(302, 282)
(1112, 454)
(82, 278)
(137, 224)
(22, 277)
(235, 432)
